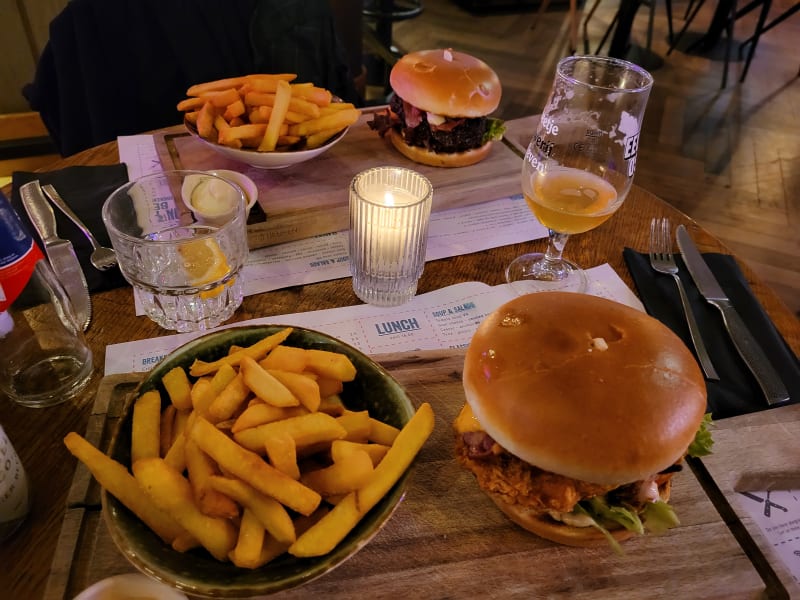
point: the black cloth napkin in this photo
(737, 391)
(84, 189)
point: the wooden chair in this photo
(25, 144)
(725, 16)
(651, 4)
(573, 22)
(753, 39)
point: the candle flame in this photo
(388, 198)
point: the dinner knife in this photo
(768, 378)
(59, 251)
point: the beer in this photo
(570, 200)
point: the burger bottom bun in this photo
(550, 529)
(439, 159)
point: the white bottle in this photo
(14, 496)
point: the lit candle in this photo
(389, 213)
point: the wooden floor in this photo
(730, 158)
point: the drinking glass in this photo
(579, 164)
(184, 270)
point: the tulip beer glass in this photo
(580, 163)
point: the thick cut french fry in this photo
(282, 453)
(257, 351)
(265, 385)
(283, 94)
(260, 412)
(319, 96)
(203, 395)
(303, 388)
(190, 104)
(221, 125)
(205, 121)
(166, 429)
(221, 98)
(286, 358)
(199, 469)
(336, 120)
(181, 417)
(178, 388)
(341, 448)
(273, 548)
(356, 424)
(234, 109)
(270, 513)
(250, 467)
(145, 435)
(348, 474)
(335, 107)
(247, 552)
(286, 141)
(299, 107)
(331, 529)
(268, 82)
(176, 455)
(330, 404)
(330, 364)
(382, 433)
(229, 400)
(172, 493)
(244, 131)
(315, 140)
(328, 386)
(224, 375)
(184, 543)
(219, 84)
(306, 430)
(118, 482)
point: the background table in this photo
(37, 434)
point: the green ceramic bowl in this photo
(197, 572)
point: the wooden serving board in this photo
(311, 198)
(447, 539)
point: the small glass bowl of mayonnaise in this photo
(211, 200)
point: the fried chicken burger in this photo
(438, 113)
(579, 412)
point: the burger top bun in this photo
(446, 82)
(584, 387)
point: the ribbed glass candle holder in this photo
(390, 209)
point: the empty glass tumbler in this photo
(45, 359)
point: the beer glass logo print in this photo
(629, 128)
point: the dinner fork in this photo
(662, 261)
(102, 258)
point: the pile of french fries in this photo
(255, 455)
(266, 113)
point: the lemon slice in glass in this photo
(204, 261)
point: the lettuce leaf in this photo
(495, 128)
(615, 545)
(702, 444)
(659, 517)
(599, 507)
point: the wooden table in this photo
(424, 547)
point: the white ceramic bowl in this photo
(267, 160)
(218, 214)
(131, 586)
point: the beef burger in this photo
(438, 113)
